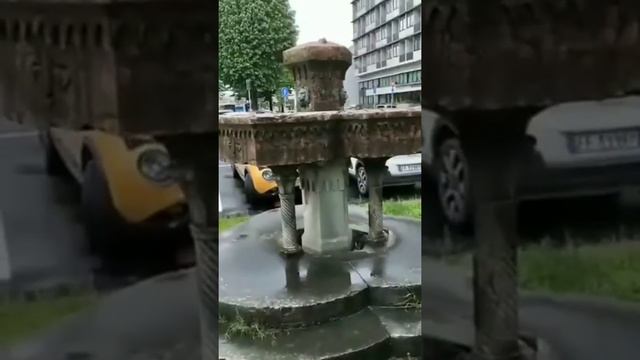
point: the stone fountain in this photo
(323, 279)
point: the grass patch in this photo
(410, 301)
(239, 327)
(607, 269)
(19, 320)
(407, 208)
(611, 269)
(230, 222)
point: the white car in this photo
(402, 170)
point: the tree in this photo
(252, 36)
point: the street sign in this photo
(285, 92)
(248, 83)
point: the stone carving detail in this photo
(287, 139)
(581, 48)
(93, 62)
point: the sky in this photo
(329, 19)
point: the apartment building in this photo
(387, 51)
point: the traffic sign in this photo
(285, 92)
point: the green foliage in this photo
(20, 320)
(604, 270)
(252, 36)
(406, 208)
(230, 222)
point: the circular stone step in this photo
(369, 334)
(260, 285)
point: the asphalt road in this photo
(41, 231)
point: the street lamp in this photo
(249, 92)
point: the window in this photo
(417, 42)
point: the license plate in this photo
(409, 168)
(605, 141)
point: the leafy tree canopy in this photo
(252, 36)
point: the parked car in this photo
(259, 183)
(125, 187)
(574, 149)
(403, 170)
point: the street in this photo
(41, 233)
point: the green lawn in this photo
(19, 320)
(608, 269)
(406, 208)
(611, 269)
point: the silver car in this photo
(575, 149)
(402, 170)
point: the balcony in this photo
(369, 27)
(406, 32)
(381, 43)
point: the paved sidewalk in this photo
(155, 319)
(576, 328)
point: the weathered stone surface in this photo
(130, 66)
(319, 68)
(508, 53)
(304, 138)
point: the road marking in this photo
(224, 165)
(18, 135)
(5, 266)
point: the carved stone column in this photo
(493, 146)
(376, 170)
(197, 168)
(286, 178)
(326, 217)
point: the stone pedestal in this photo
(326, 221)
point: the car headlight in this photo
(267, 174)
(154, 165)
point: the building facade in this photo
(387, 39)
(351, 86)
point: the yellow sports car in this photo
(125, 186)
(259, 183)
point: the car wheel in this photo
(53, 162)
(235, 173)
(253, 198)
(453, 183)
(103, 225)
(362, 183)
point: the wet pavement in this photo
(41, 228)
(315, 295)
